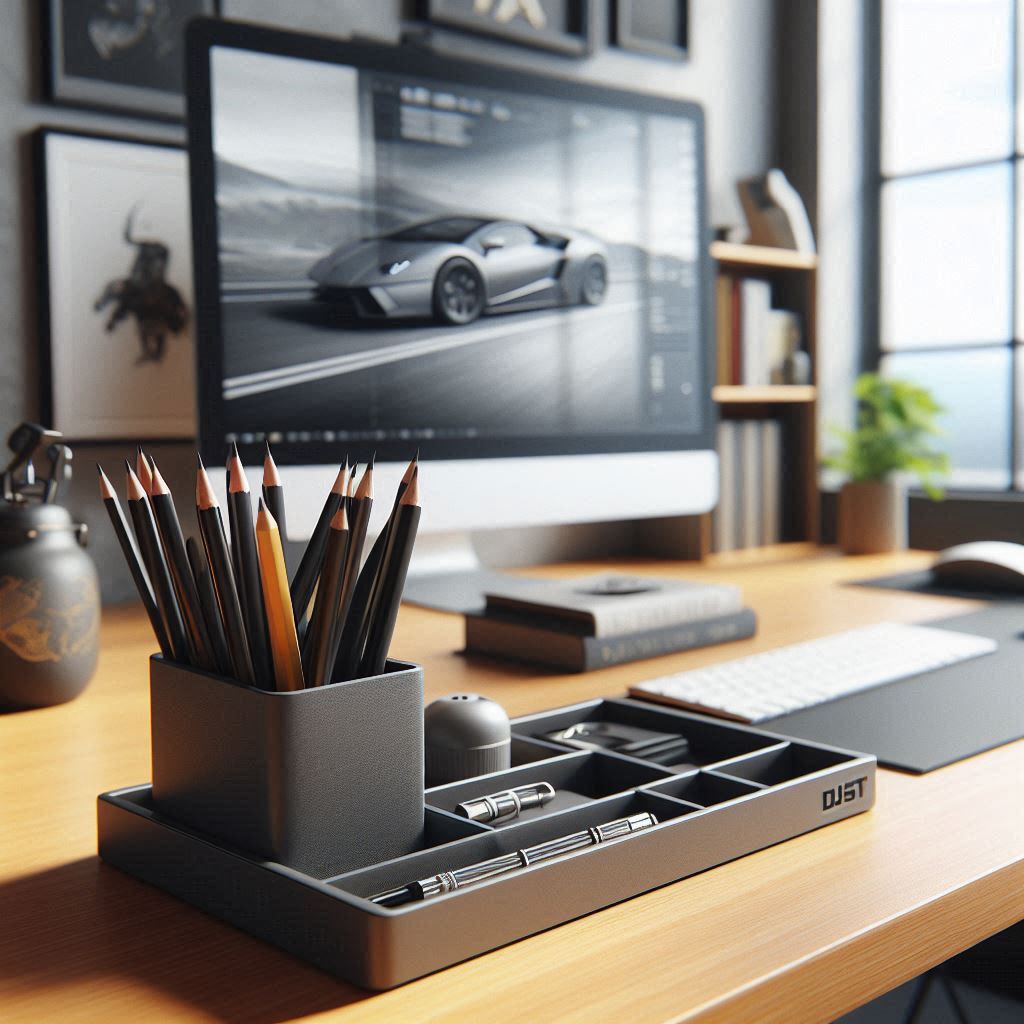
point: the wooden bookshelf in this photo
(793, 280)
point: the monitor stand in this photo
(446, 574)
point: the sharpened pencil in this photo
(142, 470)
(273, 492)
(211, 528)
(247, 578)
(306, 575)
(173, 541)
(134, 560)
(325, 624)
(284, 642)
(156, 566)
(208, 605)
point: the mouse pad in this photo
(935, 718)
(920, 582)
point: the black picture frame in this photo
(629, 32)
(54, 255)
(95, 60)
(574, 33)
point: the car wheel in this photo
(458, 293)
(595, 281)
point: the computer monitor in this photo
(396, 250)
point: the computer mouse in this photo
(981, 565)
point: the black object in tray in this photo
(743, 789)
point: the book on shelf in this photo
(749, 510)
(567, 645)
(609, 605)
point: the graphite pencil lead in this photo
(205, 498)
(106, 489)
(373, 459)
(135, 489)
(365, 488)
(199, 461)
(237, 480)
(142, 469)
(352, 480)
(340, 480)
(411, 468)
(271, 477)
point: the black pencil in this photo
(305, 577)
(208, 605)
(134, 560)
(169, 528)
(156, 566)
(250, 589)
(142, 470)
(273, 492)
(387, 593)
(211, 528)
(318, 649)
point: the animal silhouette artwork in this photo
(146, 295)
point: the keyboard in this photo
(802, 675)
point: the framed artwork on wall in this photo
(659, 28)
(116, 286)
(564, 26)
(120, 54)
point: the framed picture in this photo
(656, 27)
(116, 282)
(121, 54)
(565, 26)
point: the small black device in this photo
(659, 747)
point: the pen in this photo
(459, 878)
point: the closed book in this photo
(756, 303)
(613, 605)
(751, 518)
(723, 328)
(771, 480)
(735, 337)
(530, 639)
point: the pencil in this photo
(142, 470)
(134, 560)
(169, 529)
(211, 528)
(284, 643)
(306, 575)
(208, 605)
(247, 578)
(325, 625)
(387, 593)
(156, 566)
(273, 492)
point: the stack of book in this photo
(597, 621)
(749, 512)
(753, 339)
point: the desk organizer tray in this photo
(736, 790)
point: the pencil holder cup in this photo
(323, 780)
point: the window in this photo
(951, 230)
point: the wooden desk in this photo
(799, 932)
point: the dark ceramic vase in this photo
(49, 607)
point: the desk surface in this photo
(802, 931)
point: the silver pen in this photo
(507, 803)
(459, 878)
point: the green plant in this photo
(896, 422)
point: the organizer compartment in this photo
(705, 789)
(790, 761)
(576, 778)
(710, 741)
(401, 870)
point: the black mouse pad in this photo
(921, 582)
(935, 718)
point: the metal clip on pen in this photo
(459, 878)
(507, 803)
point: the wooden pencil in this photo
(306, 574)
(134, 560)
(250, 589)
(156, 566)
(208, 605)
(211, 529)
(142, 470)
(273, 492)
(284, 642)
(325, 624)
(387, 592)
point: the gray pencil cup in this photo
(323, 780)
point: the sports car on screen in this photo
(454, 269)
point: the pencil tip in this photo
(234, 450)
(128, 466)
(99, 469)
(199, 461)
(412, 492)
(373, 459)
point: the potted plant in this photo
(894, 436)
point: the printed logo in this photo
(843, 793)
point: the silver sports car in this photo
(455, 268)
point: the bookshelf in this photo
(792, 280)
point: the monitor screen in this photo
(398, 250)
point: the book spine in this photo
(723, 328)
(601, 652)
(680, 610)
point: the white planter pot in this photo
(872, 517)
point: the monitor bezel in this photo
(205, 34)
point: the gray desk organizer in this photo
(740, 790)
